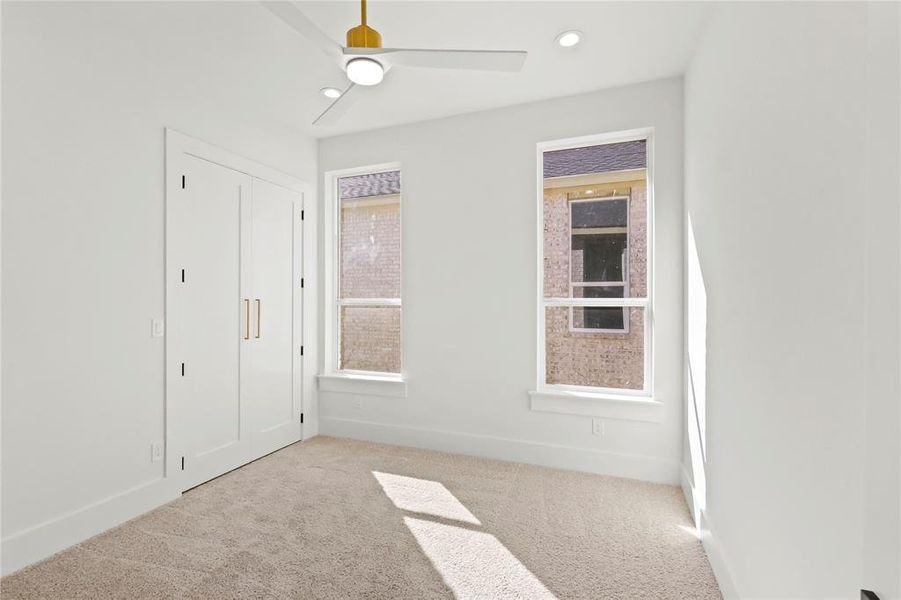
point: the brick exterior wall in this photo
(370, 261)
(612, 360)
(370, 248)
(370, 338)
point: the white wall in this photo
(87, 91)
(791, 164)
(881, 484)
(469, 285)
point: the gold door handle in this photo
(246, 318)
(258, 319)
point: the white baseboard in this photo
(46, 539)
(309, 430)
(717, 557)
(715, 554)
(537, 453)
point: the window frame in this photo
(626, 267)
(569, 398)
(332, 377)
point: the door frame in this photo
(177, 145)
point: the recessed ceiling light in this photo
(365, 71)
(330, 92)
(568, 39)
(590, 192)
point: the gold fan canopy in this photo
(363, 36)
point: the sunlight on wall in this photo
(696, 332)
(475, 564)
(423, 496)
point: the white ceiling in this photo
(625, 42)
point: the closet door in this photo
(209, 318)
(272, 397)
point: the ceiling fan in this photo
(365, 61)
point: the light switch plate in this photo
(156, 451)
(157, 328)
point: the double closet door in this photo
(232, 318)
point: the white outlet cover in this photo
(157, 327)
(597, 426)
(156, 451)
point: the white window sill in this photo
(597, 404)
(394, 386)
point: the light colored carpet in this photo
(337, 519)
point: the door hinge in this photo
(301, 418)
(182, 369)
(182, 275)
(301, 350)
(301, 215)
(182, 182)
(182, 463)
(301, 282)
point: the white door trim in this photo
(177, 145)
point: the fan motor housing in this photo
(363, 36)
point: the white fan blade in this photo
(290, 14)
(476, 60)
(336, 109)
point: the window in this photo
(595, 312)
(368, 261)
(599, 262)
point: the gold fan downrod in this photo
(363, 36)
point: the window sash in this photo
(368, 302)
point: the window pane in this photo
(598, 291)
(595, 359)
(595, 217)
(598, 257)
(594, 214)
(370, 338)
(370, 236)
(600, 317)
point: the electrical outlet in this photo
(156, 451)
(157, 328)
(358, 404)
(597, 426)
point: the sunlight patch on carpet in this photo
(423, 496)
(475, 564)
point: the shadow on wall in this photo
(696, 340)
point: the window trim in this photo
(332, 378)
(619, 403)
(626, 268)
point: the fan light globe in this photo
(365, 71)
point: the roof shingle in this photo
(604, 158)
(371, 184)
